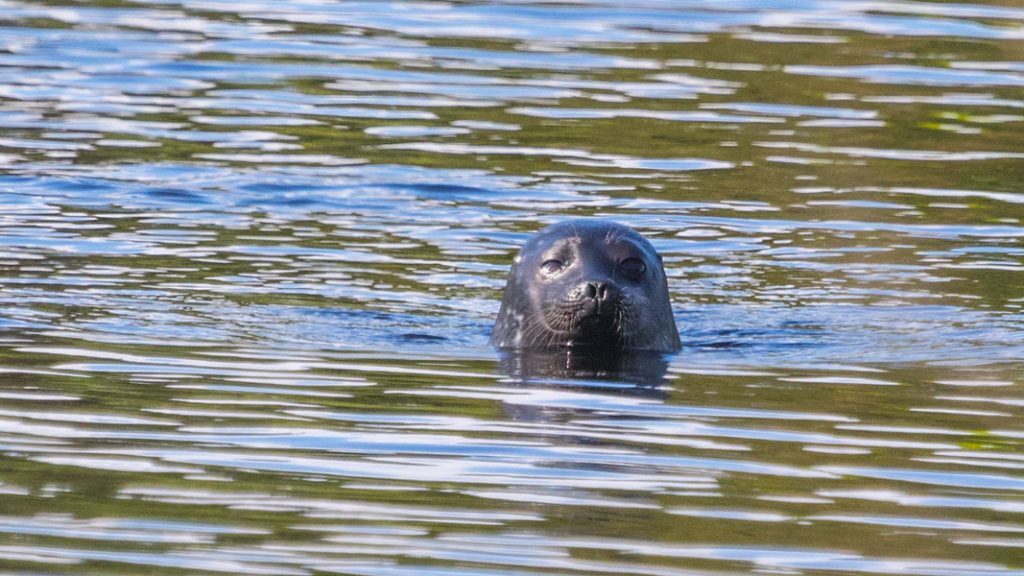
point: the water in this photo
(250, 254)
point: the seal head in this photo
(587, 283)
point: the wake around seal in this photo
(587, 283)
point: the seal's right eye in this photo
(552, 266)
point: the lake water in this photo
(250, 254)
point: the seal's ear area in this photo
(517, 264)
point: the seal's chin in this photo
(572, 323)
(602, 329)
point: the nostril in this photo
(595, 290)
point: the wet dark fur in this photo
(541, 310)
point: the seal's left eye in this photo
(552, 266)
(633, 267)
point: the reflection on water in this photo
(250, 254)
(642, 369)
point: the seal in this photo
(587, 283)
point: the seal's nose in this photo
(596, 290)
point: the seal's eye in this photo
(552, 266)
(633, 267)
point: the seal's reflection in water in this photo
(589, 367)
(584, 370)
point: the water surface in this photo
(250, 254)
